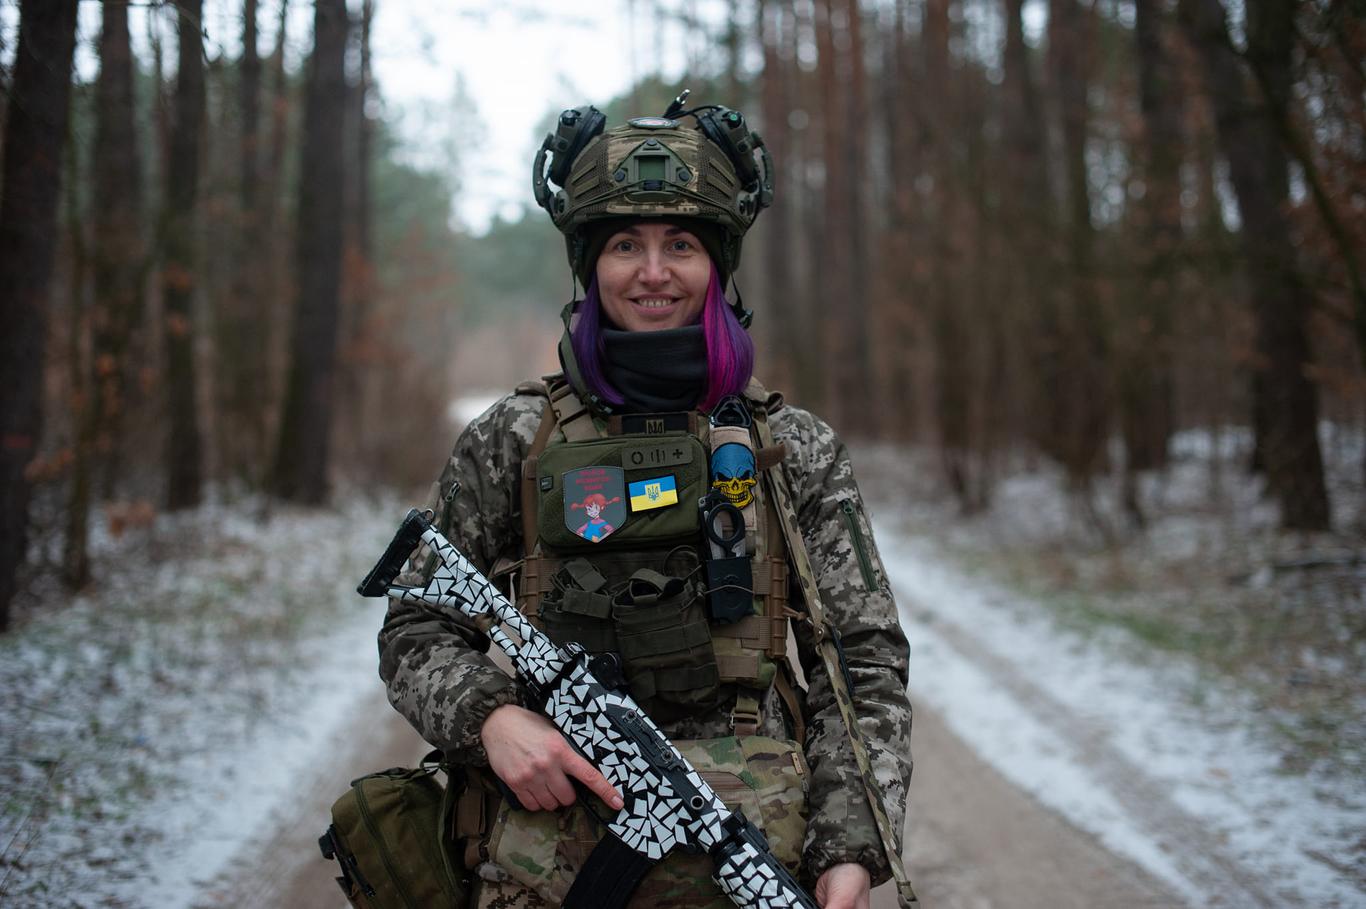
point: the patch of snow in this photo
(148, 729)
(1193, 793)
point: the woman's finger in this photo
(587, 774)
(561, 789)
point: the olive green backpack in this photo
(390, 836)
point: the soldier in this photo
(695, 559)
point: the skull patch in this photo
(732, 473)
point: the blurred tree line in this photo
(1068, 228)
(213, 269)
(1053, 226)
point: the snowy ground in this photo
(149, 730)
(1192, 793)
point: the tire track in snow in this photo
(1129, 809)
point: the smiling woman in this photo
(653, 501)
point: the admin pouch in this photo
(677, 457)
(767, 778)
(388, 835)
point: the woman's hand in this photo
(534, 760)
(844, 886)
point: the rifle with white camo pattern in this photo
(667, 803)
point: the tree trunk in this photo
(302, 456)
(856, 385)
(1082, 394)
(1282, 299)
(774, 21)
(1147, 386)
(84, 388)
(834, 269)
(244, 312)
(120, 250)
(901, 287)
(179, 272)
(35, 135)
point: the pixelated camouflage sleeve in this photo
(858, 601)
(434, 664)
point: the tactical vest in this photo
(615, 552)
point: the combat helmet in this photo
(654, 167)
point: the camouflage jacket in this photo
(446, 687)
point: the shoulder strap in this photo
(573, 416)
(529, 477)
(827, 641)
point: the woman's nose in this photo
(654, 269)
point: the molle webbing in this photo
(761, 638)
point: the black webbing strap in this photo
(609, 876)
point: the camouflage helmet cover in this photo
(653, 167)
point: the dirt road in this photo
(975, 841)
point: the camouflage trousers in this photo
(508, 894)
(504, 895)
(534, 856)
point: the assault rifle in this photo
(667, 803)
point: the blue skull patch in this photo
(732, 473)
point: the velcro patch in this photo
(656, 454)
(593, 506)
(657, 492)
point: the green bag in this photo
(390, 835)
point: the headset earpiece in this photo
(573, 131)
(727, 129)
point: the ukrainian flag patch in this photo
(656, 492)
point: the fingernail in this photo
(616, 801)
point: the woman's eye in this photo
(682, 246)
(624, 246)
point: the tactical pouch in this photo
(654, 617)
(767, 778)
(389, 835)
(676, 455)
(665, 643)
(579, 608)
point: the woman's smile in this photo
(652, 276)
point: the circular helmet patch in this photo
(653, 123)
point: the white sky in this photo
(515, 64)
(512, 65)
(509, 65)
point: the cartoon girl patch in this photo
(594, 501)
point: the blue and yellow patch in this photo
(656, 492)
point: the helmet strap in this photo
(742, 315)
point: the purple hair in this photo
(730, 350)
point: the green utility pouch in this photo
(676, 457)
(389, 835)
(653, 616)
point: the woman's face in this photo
(652, 276)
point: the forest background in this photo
(1017, 235)
(1081, 281)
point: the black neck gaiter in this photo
(656, 371)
